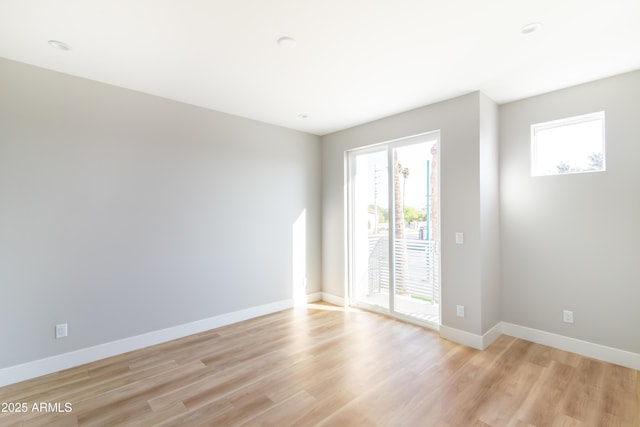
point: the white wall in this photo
(459, 121)
(573, 241)
(123, 213)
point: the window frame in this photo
(568, 121)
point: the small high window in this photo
(572, 145)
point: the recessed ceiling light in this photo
(59, 45)
(287, 42)
(531, 28)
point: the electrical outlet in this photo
(460, 310)
(567, 316)
(61, 330)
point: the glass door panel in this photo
(414, 221)
(370, 229)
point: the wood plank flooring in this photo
(327, 366)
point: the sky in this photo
(572, 143)
(414, 157)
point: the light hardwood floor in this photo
(327, 366)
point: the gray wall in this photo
(123, 213)
(491, 291)
(573, 242)
(459, 121)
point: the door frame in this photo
(350, 155)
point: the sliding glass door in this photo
(394, 228)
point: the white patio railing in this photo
(416, 267)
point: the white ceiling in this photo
(355, 61)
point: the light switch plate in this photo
(567, 316)
(61, 330)
(459, 238)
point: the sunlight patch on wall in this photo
(299, 258)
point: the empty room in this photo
(337, 213)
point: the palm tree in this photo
(405, 175)
(401, 248)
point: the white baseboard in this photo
(584, 348)
(479, 342)
(491, 335)
(332, 299)
(561, 342)
(461, 337)
(314, 297)
(14, 374)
